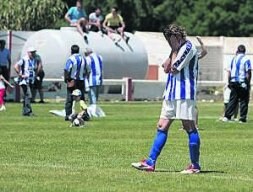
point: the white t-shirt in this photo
(2, 86)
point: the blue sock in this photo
(194, 145)
(157, 147)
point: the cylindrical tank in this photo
(122, 60)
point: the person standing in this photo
(3, 81)
(38, 80)
(179, 99)
(75, 71)
(5, 60)
(76, 17)
(95, 78)
(239, 77)
(26, 69)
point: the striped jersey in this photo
(28, 67)
(239, 67)
(76, 66)
(182, 85)
(95, 63)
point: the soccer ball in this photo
(76, 122)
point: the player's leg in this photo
(244, 101)
(160, 139)
(186, 111)
(194, 146)
(233, 102)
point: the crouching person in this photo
(78, 117)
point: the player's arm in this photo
(67, 70)
(7, 82)
(67, 16)
(203, 52)
(9, 60)
(122, 22)
(248, 75)
(105, 22)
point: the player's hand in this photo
(199, 40)
(174, 70)
(167, 66)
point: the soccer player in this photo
(179, 99)
(95, 78)
(75, 71)
(26, 69)
(239, 77)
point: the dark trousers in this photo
(239, 94)
(27, 108)
(5, 72)
(79, 84)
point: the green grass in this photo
(43, 153)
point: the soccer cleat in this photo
(191, 169)
(143, 166)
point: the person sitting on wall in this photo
(114, 23)
(76, 17)
(95, 19)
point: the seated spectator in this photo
(114, 23)
(76, 16)
(95, 19)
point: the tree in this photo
(30, 15)
(219, 18)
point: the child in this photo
(78, 119)
(3, 81)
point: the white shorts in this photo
(179, 109)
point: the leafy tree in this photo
(219, 17)
(29, 14)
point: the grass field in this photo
(42, 153)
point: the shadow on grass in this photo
(171, 171)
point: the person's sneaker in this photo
(85, 38)
(3, 108)
(242, 121)
(142, 165)
(41, 101)
(127, 39)
(191, 169)
(225, 119)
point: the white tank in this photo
(124, 60)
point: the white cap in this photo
(88, 50)
(31, 49)
(76, 92)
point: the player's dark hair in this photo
(80, 1)
(116, 8)
(74, 49)
(241, 49)
(173, 29)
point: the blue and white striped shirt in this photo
(28, 67)
(95, 63)
(76, 66)
(182, 85)
(239, 67)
